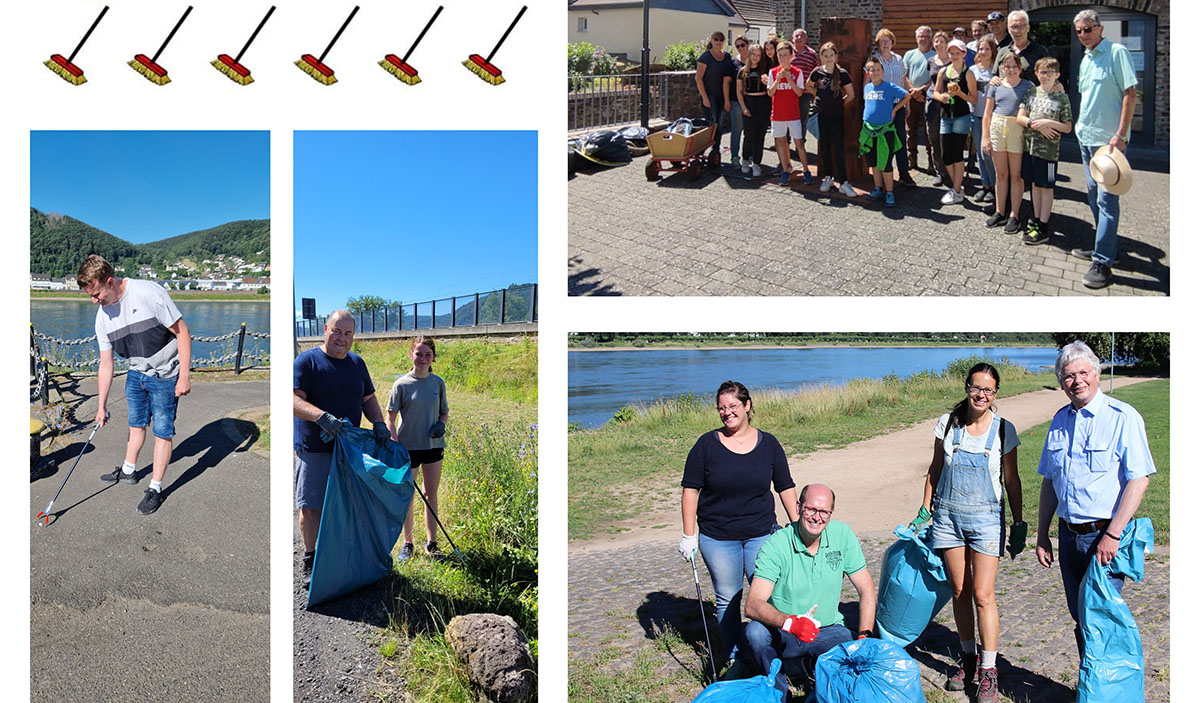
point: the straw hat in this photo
(1111, 171)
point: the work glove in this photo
(438, 430)
(804, 627)
(923, 516)
(330, 424)
(1016, 538)
(687, 546)
(382, 433)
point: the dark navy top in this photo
(336, 386)
(735, 489)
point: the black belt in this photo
(1084, 528)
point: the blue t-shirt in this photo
(336, 386)
(878, 101)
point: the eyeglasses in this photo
(1086, 30)
(730, 408)
(813, 512)
(1082, 376)
(989, 392)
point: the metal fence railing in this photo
(497, 307)
(601, 101)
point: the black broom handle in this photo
(339, 34)
(422, 34)
(252, 36)
(186, 12)
(506, 33)
(87, 34)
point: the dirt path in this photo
(897, 462)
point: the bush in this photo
(587, 59)
(625, 415)
(682, 56)
(587, 342)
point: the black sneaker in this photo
(118, 475)
(433, 552)
(965, 674)
(907, 179)
(306, 566)
(1013, 226)
(996, 219)
(1098, 276)
(406, 552)
(150, 501)
(1085, 254)
(1037, 233)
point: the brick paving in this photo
(724, 235)
(622, 598)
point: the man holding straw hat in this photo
(1107, 97)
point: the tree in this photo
(1147, 349)
(367, 303)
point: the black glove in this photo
(438, 430)
(1016, 538)
(382, 433)
(330, 424)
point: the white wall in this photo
(620, 30)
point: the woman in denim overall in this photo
(973, 448)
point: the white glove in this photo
(688, 545)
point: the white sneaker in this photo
(848, 190)
(958, 196)
(756, 170)
(827, 184)
(746, 166)
(948, 198)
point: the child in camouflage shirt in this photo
(1047, 116)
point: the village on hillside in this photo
(222, 273)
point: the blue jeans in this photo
(766, 643)
(728, 561)
(1106, 211)
(714, 115)
(987, 169)
(901, 123)
(151, 397)
(1075, 552)
(735, 129)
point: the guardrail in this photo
(497, 307)
(601, 101)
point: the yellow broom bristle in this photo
(150, 75)
(479, 71)
(317, 75)
(395, 71)
(65, 74)
(233, 75)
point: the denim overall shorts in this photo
(966, 509)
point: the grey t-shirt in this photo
(136, 328)
(419, 402)
(1008, 99)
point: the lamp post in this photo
(646, 63)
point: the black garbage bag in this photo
(635, 133)
(608, 146)
(687, 125)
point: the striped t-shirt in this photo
(136, 328)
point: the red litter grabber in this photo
(231, 66)
(148, 66)
(399, 67)
(63, 67)
(45, 514)
(315, 66)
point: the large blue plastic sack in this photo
(756, 689)
(1112, 666)
(366, 499)
(868, 671)
(913, 587)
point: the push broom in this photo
(45, 514)
(399, 67)
(148, 66)
(231, 66)
(63, 67)
(483, 67)
(315, 66)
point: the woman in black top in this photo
(933, 111)
(727, 489)
(831, 84)
(714, 78)
(756, 109)
(955, 89)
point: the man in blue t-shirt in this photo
(330, 387)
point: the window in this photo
(582, 24)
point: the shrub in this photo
(587, 59)
(682, 56)
(625, 414)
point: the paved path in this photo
(170, 606)
(724, 235)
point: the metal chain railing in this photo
(239, 358)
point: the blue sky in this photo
(146, 186)
(413, 216)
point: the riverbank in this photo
(196, 295)
(759, 346)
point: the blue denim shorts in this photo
(151, 397)
(955, 125)
(312, 474)
(981, 531)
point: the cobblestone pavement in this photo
(622, 599)
(724, 235)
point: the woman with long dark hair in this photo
(756, 109)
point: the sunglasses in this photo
(1086, 30)
(741, 46)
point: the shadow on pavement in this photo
(587, 281)
(211, 444)
(661, 612)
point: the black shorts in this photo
(418, 457)
(1040, 172)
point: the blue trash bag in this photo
(868, 671)
(757, 689)
(366, 500)
(913, 587)
(1112, 666)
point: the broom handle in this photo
(422, 34)
(87, 34)
(186, 12)
(339, 34)
(506, 33)
(252, 36)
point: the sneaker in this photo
(827, 184)
(1036, 233)
(937, 180)
(951, 197)
(783, 178)
(988, 687)
(406, 552)
(118, 475)
(907, 179)
(875, 194)
(306, 565)
(996, 219)
(981, 195)
(756, 170)
(1085, 254)
(735, 162)
(150, 502)
(989, 196)
(966, 672)
(1013, 226)
(746, 166)
(889, 200)
(1098, 276)
(808, 178)
(848, 190)
(431, 548)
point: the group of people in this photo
(994, 103)
(1095, 468)
(331, 390)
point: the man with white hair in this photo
(1026, 50)
(1095, 468)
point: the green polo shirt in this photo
(802, 579)
(1105, 73)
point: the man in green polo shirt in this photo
(793, 601)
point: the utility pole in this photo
(646, 63)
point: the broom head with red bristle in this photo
(400, 69)
(67, 70)
(237, 72)
(152, 71)
(484, 69)
(319, 71)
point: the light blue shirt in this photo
(1105, 73)
(894, 71)
(1090, 455)
(917, 62)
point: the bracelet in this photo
(1106, 532)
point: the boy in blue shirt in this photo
(878, 139)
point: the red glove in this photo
(804, 627)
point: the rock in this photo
(496, 655)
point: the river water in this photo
(600, 382)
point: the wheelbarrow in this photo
(670, 151)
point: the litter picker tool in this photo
(315, 66)
(417, 490)
(63, 67)
(231, 66)
(483, 67)
(148, 66)
(45, 514)
(399, 67)
(703, 620)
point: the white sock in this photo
(988, 660)
(156, 486)
(968, 646)
(127, 468)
